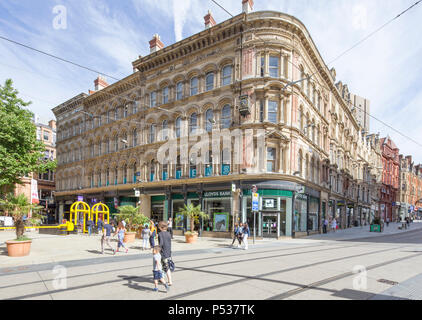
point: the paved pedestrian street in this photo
(381, 266)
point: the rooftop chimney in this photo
(209, 20)
(100, 83)
(247, 6)
(155, 44)
(52, 124)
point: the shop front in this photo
(274, 219)
(216, 204)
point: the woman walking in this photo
(146, 232)
(246, 234)
(121, 230)
(236, 234)
(334, 225)
(153, 230)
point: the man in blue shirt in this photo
(108, 229)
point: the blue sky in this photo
(108, 35)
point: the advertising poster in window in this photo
(221, 222)
(179, 220)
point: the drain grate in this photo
(393, 283)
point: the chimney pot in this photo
(100, 83)
(155, 44)
(209, 20)
(247, 6)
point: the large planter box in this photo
(375, 228)
(191, 238)
(129, 237)
(18, 248)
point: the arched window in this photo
(151, 136)
(178, 126)
(116, 143)
(107, 177)
(100, 149)
(107, 145)
(178, 168)
(116, 114)
(226, 78)
(152, 171)
(300, 162)
(273, 111)
(179, 91)
(194, 86)
(208, 164)
(124, 174)
(153, 99)
(116, 175)
(165, 95)
(165, 175)
(193, 123)
(125, 112)
(135, 173)
(301, 118)
(99, 179)
(164, 131)
(192, 167)
(134, 137)
(135, 107)
(209, 81)
(226, 162)
(209, 119)
(274, 66)
(124, 142)
(226, 117)
(271, 159)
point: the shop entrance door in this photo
(270, 225)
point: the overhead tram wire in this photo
(345, 52)
(135, 86)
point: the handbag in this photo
(171, 264)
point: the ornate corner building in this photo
(246, 102)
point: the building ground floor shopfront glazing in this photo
(283, 211)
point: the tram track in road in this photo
(260, 277)
(317, 284)
(180, 269)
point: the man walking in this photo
(170, 226)
(164, 240)
(105, 239)
(89, 224)
(100, 225)
(325, 225)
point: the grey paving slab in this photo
(410, 289)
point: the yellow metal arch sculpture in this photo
(100, 208)
(77, 208)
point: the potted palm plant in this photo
(133, 218)
(193, 213)
(18, 207)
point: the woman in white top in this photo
(334, 225)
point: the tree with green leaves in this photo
(193, 213)
(20, 151)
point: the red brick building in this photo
(390, 179)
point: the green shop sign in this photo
(271, 192)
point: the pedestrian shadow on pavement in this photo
(3, 252)
(133, 282)
(94, 251)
